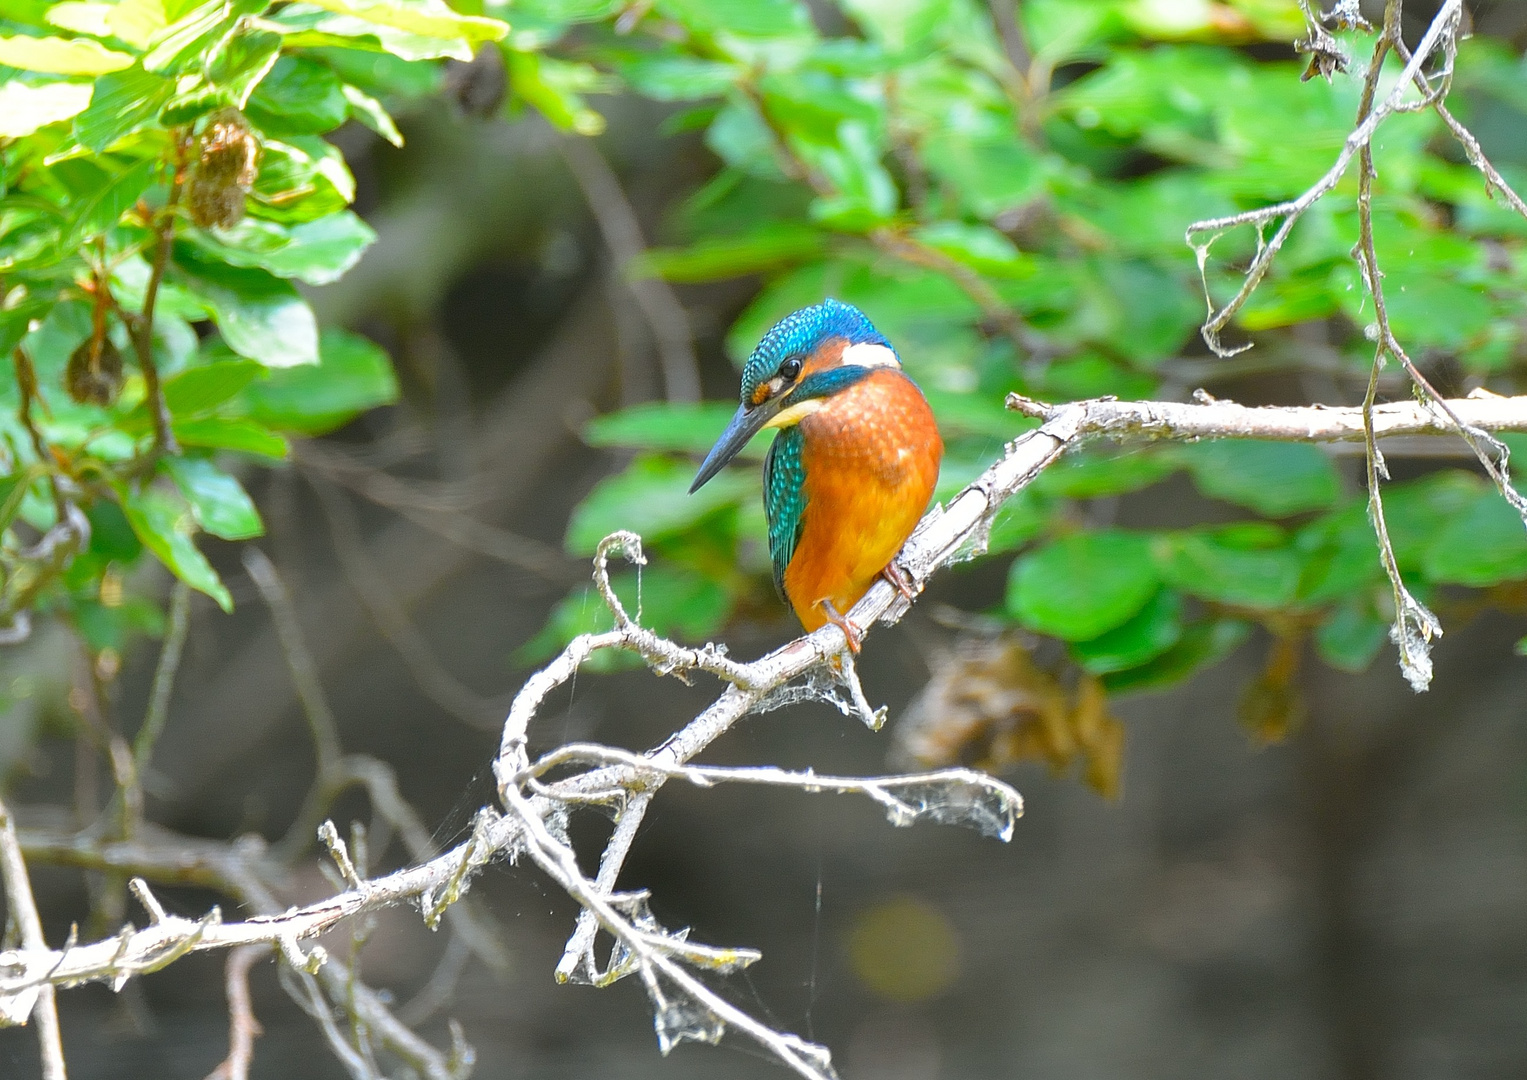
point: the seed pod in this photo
(225, 170)
(94, 374)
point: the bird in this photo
(853, 464)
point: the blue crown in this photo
(798, 333)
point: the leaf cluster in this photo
(164, 188)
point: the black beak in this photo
(747, 422)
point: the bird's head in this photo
(805, 358)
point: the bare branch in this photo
(37, 1000)
(243, 1028)
(1223, 419)
(1288, 213)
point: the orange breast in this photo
(871, 457)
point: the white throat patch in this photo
(869, 354)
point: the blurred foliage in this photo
(1004, 189)
(165, 182)
(1007, 201)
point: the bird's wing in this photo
(784, 500)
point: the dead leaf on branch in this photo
(989, 706)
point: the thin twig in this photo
(439, 515)
(38, 1001)
(445, 689)
(315, 707)
(158, 710)
(243, 1028)
(1291, 211)
(143, 328)
(666, 317)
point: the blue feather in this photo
(784, 500)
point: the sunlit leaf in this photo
(352, 375)
(61, 56)
(221, 505)
(316, 252)
(24, 107)
(261, 316)
(165, 525)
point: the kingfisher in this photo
(853, 464)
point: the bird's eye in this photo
(790, 369)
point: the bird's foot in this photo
(851, 633)
(902, 581)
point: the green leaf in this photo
(865, 193)
(298, 97)
(110, 534)
(223, 433)
(651, 498)
(1084, 585)
(1342, 557)
(137, 21)
(978, 246)
(115, 627)
(261, 316)
(193, 393)
(316, 252)
(678, 78)
(104, 206)
(1483, 545)
(242, 61)
(900, 25)
(1272, 478)
(1246, 565)
(199, 390)
(61, 56)
(124, 102)
(82, 18)
(426, 18)
(1202, 644)
(165, 526)
(352, 375)
(1022, 517)
(1153, 631)
(221, 505)
(766, 248)
(555, 88)
(745, 18)
(24, 107)
(1351, 636)
(301, 179)
(195, 34)
(688, 428)
(368, 110)
(1095, 473)
(1419, 510)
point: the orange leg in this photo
(898, 577)
(851, 633)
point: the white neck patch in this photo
(869, 354)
